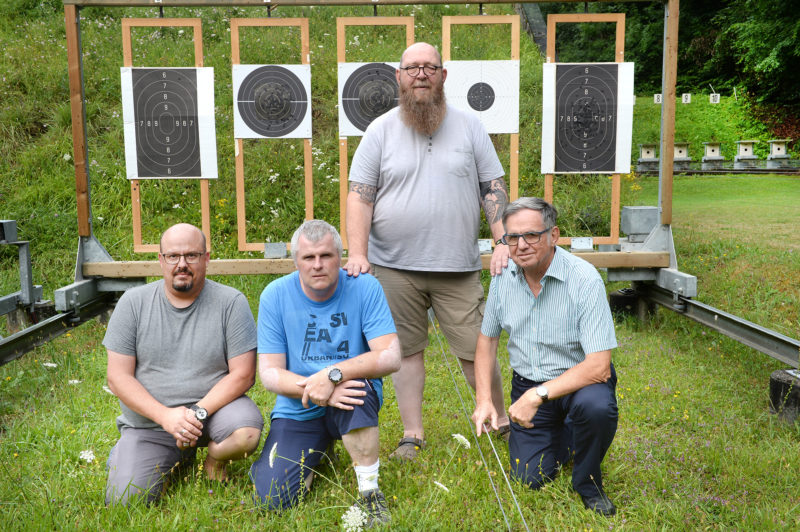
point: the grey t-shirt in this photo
(427, 209)
(180, 353)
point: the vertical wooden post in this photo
(669, 76)
(78, 120)
(341, 57)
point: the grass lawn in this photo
(696, 446)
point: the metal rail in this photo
(16, 345)
(769, 342)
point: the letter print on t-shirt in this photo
(325, 338)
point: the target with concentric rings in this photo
(271, 101)
(369, 92)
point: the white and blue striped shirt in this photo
(553, 332)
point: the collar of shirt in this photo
(556, 270)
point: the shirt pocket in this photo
(460, 162)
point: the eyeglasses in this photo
(175, 258)
(530, 237)
(414, 70)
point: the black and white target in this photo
(488, 88)
(168, 116)
(366, 91)
(587, 117)
(272, 101)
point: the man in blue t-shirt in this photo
(324, 341)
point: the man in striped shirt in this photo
(553, 306)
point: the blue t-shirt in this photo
(315, 335)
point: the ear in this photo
(444, 74)
(556, 233)
(397, 75)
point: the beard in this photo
(423, 115)
(183, 286)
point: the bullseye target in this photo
(168, 116)
(272, 101)
(488, 88)
(587, 118)
(366, 91)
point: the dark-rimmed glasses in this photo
(414, 70)
(175, 258)
(530, 237)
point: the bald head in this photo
(182, 233)
(422, 49)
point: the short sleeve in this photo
(376, 316)
(486, 160)
(366, 165)
(121, 330)
(596, 324)
(240, 330)
(491, 314)
(271, 333)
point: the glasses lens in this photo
(511, 240)
(430, 70)
(532, 238)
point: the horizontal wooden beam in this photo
(289, 3)
(128, 269)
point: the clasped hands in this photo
(182, 424)
(319, 390)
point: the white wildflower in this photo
(49, 365)
(67, 156)
(442, 486)
(88, 456)
(461, 440)
(272, 454)
(108, 390)
(354, 519)
(74, 381)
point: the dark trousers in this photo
(581, 424)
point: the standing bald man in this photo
(181, 355)
(418, 181)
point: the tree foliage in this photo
(750, 44)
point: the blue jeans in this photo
(581, 424)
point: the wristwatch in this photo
(335, 375)
(199, 412)
(543, 394)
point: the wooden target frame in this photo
(341, 41)
(619, 57)
(513, 21)
(305, 59)
(127, 60)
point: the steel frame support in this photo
(769, 342)
(16, 345)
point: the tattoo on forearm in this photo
(494, 199)
(367, 192)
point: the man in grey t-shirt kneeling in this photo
(181, 355)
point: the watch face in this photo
(335, 375)
(200, 413)
(541, 391)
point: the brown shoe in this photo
(407, 449)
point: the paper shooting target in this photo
(587, 117)
(366, 91)
(168, 120)
(271, 101)
(488, 88)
